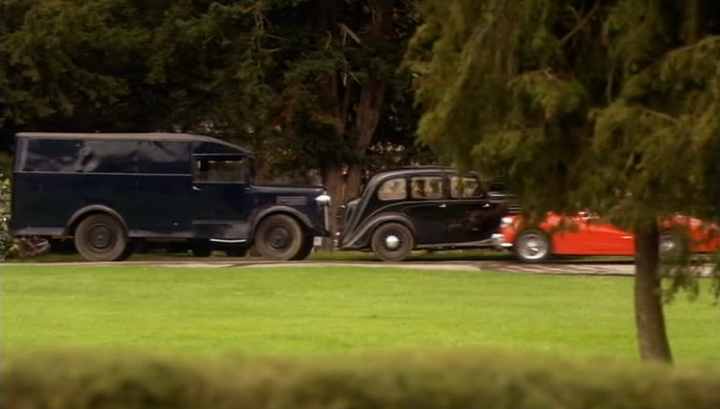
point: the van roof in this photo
(155, 136)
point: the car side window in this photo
(211, 170)
(393, 189)
(465, 188)
(427, 187)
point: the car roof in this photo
(416, 170)
(153, 136)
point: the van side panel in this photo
(147, 182)
(47, 201)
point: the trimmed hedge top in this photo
(440, 381)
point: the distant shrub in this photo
(6, 241)
(461, 381)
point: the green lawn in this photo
(300, 311)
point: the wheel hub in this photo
(392, 242)
(101, 237)
(279, 238)
(533, 247)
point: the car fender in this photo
(304, 220)
(79, 214)
(362, 237)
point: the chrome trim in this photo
(228, 241)
(324, 200)
(392, 242)
(480, 243)
(498, 240)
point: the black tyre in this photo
(101, 237)
(393, 242)
(280, 237)
(201, 248)
(532, 246)
(305, 250)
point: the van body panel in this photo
(158, 184)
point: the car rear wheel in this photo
(281, 237)
(393, 242)
(532, 246)
(101, 237)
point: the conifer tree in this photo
(612, 105)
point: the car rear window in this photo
(464, 188)
(393, 189)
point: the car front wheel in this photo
(101, 237)
(532, 246)
(393, 242)
(281, 237)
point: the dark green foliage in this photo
(606, 104)
(460, 380)
(6, 240)
(265, 74)
(612, 106)
(579, 104)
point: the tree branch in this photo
(581, 24)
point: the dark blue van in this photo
(107, 190)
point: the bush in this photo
(6, 241)
(461, 380)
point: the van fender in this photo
(304, 220)
(93, 209)
(361, 239)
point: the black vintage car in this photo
(421, 208)
(108, 190)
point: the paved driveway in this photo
(455, 265)
(510, 266)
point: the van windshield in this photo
(222, 170)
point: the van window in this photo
(463, 188)
(222, 170)
(393, 189)
(79, 156)
(427, 187)
(164, 157)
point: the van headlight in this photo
(323, 200)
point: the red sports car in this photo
(587, 234)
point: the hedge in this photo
(466, 380)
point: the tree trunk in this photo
(693, 21)
(333, 179)
(649, 316)
(368, 113)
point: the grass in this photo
(304, 311)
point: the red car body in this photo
(586, 234)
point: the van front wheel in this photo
(101, 237)
(280, 237)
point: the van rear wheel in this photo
(281, 237)
(101, 237)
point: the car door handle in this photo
(442, 206)
(197, 189)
